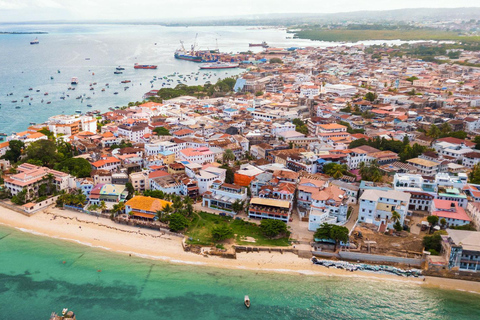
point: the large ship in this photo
(219, 65)
(184, 55)
(35, 41)
(263, 44)
(196, 55)
(144, 66)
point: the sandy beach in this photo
(104, 233)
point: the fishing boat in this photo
(125, 81)
(144, 66)
(117, 72)
(32, 123)
(115, 92)
(89, 105)
(17, 107)
(219, 65)
(35, 41)
(246, 300)
(120, 68)
(78, 111)
(74, 80)
(30, 89)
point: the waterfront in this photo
(66, 48)
(39, 275)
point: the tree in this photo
(370, 96)
(43, 150)
(103, 206)
(167, 209)
(258, 93)
(229, 176)
(370, 172)
(228, 155)
(177, 222)
(77, 167)
(275, 60)
(118, 208)
(300, 126)
(15, 148)
(476, 140)
(443, 222)
(474, 175)
(335, 170)
(445, 128)
(332, 232)
(433, 220)
(433, 243)
(411, 79)
(130, 189)
(433, 132)
(222, 232)
(161, 131)
(272, 228)
(237, 206)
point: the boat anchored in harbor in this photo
(35, 41)
(144, 66)
(219, 65)
(246, 301)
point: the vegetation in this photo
(161, 131)
(335, 170)
(332, 232)
(222, 232)
(177, 222)
(219, 89)
(228, 155)
(202, 224)
(275, 60)
(370, 172)
(77, 167)
(272, 228)
(15, 151)
(349, 128)
(402, 148)
(474, 175)
(300, 126)
(370, 96)
(433, 243)
(122, 145)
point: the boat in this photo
(14, 101)
(246, 300)
(30, 89)
(32, 123)
(74, 80)
(45, 94)
(35, 41)
(87, 58)
(120, 68)
(144, 66)
(263, 44)
(78, 111)
(117, 72)
(3, 134)
(48, 102)
(89, 105)
(115, 92)
(17, 107)
(103, 89)
(125, 81)
(219, 65)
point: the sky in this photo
(36, 10)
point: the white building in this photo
(278, 128)
(340, 89)
(376, 207)
(197, 155)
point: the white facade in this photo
(376, 206)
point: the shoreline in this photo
(104, 234)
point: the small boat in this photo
(74, 80)
(103, 89)
(89, 105)
(78, 111)
(117, 72)
(30, 89)
(17, 107)
(115, 92)
(48, 102)
(51, 78)
(45, 94)
(120, 68)
(58, 71)
(14, 101)
(35, 41)
(246, 300)
(125, 81)
(87, 58)
(37, 90)
(32, 123)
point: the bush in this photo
(222, 232)
(177, 222)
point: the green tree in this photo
(477, 142)
(332, 232)
(474, 175)
(228, 155)
(258, 93)
(443, 222)
(229, 176)
(161, 131)
(275, 60)
(237, 206)
(102, 206)
(335, 170)
(15, 148)
(433, 132)
(43, 150)
(272, 228)
(370, 172)
(433, 243)
(370, 96)
(222, 232)
(77, 167)
(411, 79)
(177, 222)
(300, 126)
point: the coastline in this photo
(104, 234)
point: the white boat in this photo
(246, 300)
(74, 80)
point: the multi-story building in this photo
(141, 207)
(221, 196)
(197, 155)
(425, 167)
(377, 206)
(461, 249)
(71, 124)
(262, 208)
(107, 163)
(453, 214)
(133, 133)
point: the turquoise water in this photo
(34, 281)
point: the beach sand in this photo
(104, 233)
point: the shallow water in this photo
(98, 284)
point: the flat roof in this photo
(271, 202)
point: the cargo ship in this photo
(144, 66)
(263, 44)
(182, 55)
(219, 65)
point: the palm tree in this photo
(395, 216)
(103, 206)
(228, 155)
(118, 208)
(167, 209)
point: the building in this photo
(262, 208)
(197, 155)
(107, 163)
(221, 196)
(30, 178)
(340, 89)
(141, 207)
(450, 211)
(376, 207)
(425, 167)
(133, 133)
(461, 249)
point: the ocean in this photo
(39, 275)
(92, 52)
